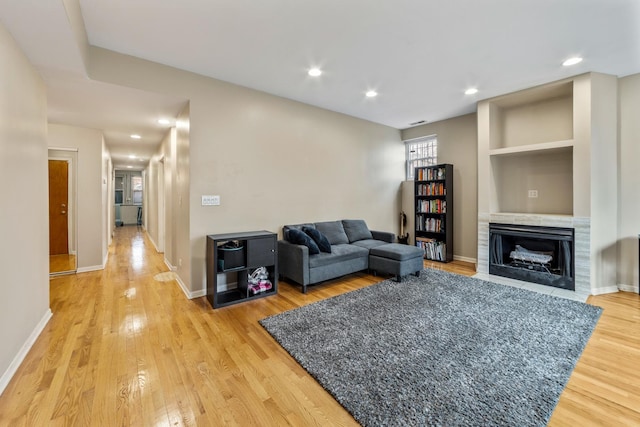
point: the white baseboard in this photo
(153, 242)
(605, 290)
(464, 259)
(17, 361)
(94, 267)
(90, 268)
(198, 294)
(189, 294)
(169, 266)
(183, 287)
(628, 288)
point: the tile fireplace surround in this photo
(582, 251)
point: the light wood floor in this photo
(125, 349)
(62, 263)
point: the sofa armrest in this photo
(384, 236)
(293, 262)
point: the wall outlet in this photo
(180, 262)
(210, 200)
(533, 194)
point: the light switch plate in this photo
(210, 200)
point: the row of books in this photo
(433, 249)
(433, 189)
(435, 225)
(429, 174)
(432, 206)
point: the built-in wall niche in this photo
(548, 173)
(533, 116)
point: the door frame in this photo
(72, 218)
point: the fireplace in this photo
(542, 255)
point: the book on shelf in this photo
(432, 206)
(433, 225)
(433, 248)
(432, 189)
(430, 174)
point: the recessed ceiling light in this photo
(131, 156)
(134, 136)
(371, 94)
(164, 122)
(315, 72)
(471, 91)
(572, 61)
(129, 167)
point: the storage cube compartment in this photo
(231, 255)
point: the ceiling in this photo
(419, 55)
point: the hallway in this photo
(123, 348)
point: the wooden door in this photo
(58, 207)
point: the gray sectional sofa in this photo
(350, 242)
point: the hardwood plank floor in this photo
(125, 349)
(62, 263)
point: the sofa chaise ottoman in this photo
(349, 242)
(399, 260)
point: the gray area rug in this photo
(441, 350)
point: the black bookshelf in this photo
(434, 211)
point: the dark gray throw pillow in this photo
(356, 229)
(334, 231)
(297, 237)
(320, 239)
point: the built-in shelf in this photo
(530, 150)
(532, 117)
(540, 148)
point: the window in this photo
(119, 187)
(136, 187)
(128, 188)
(421, 152)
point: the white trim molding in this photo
(628, 288)
(153, 242)
(17, 361)
(187, 292)
(605, 290)
(90, 268)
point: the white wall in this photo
(604, 182)
(105, 182)
(169, 154)
(111, 207)
(458, 145)
(163, 159)
(629, 182)
(24, 253)
(150, 175)
(273, 161)
(92, 189)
